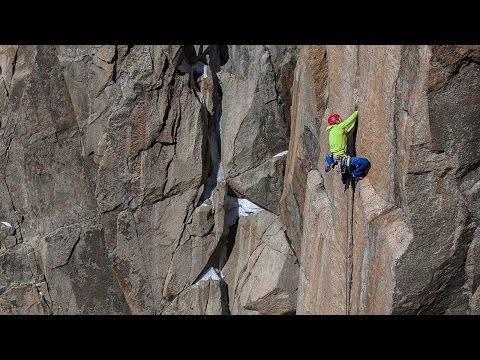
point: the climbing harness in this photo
(342, 162)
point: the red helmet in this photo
(332, 118)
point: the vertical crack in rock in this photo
(81, 127)
(224, 247)
(5, 86)
(149, 281)
(278, 98)
(14, 62)
(350, 249)
(7, 153)
(351, 145)
(211, 159)
(290, 245)
(213, 156)
(222, 251)
(283, 103)
(7, 158)
(114, 62)
(171, 263)
(166, 114)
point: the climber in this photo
(338, 131)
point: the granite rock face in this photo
(117, 167)
(261, 270)
(404, 239)
(189, 179)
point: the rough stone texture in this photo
(112, 176)
(206, 298)
(193, 253)
(472, 264)
(321, 282)
(95, 139)
(262, 271)
(255, 120)
(22, 289)
(119, 177)
(263, 184)
(403, 238)
(308, 107)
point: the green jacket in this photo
(337, 134)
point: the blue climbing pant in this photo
(358, 166)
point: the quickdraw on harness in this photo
(342, 162)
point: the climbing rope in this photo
(346, 263)
(349, 249)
